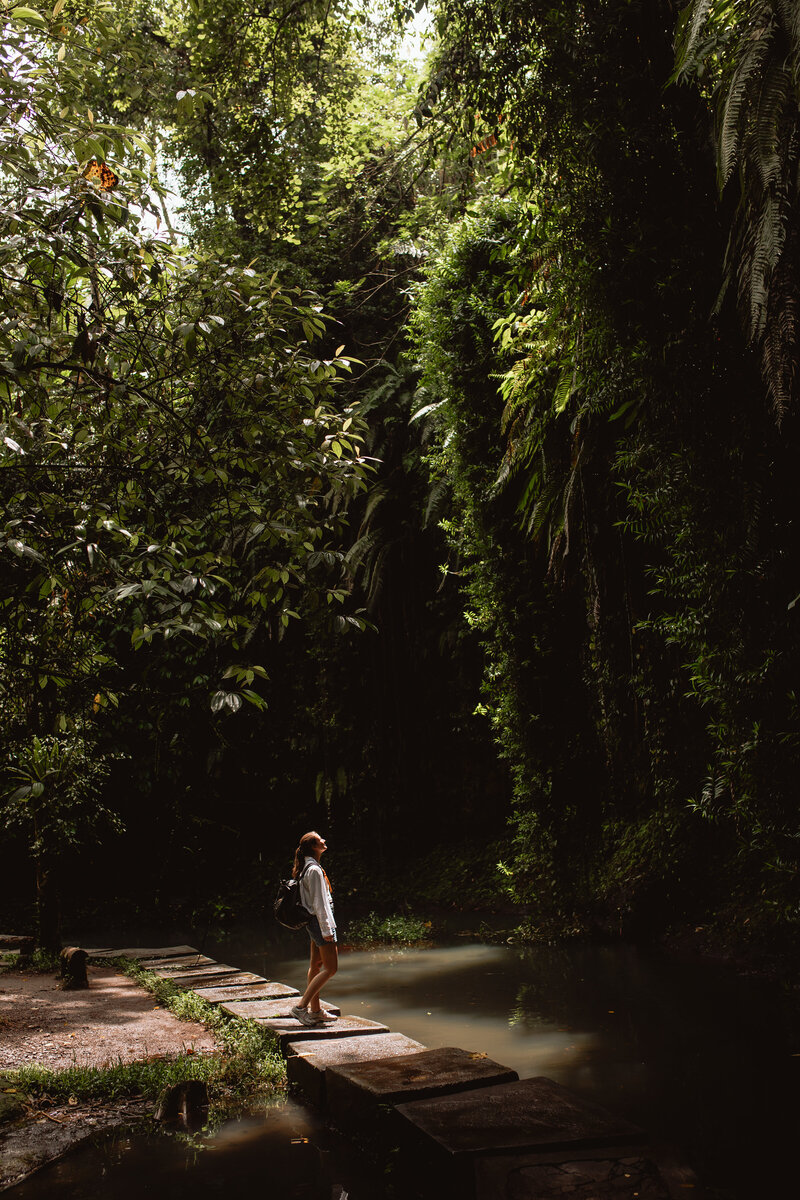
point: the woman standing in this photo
(315, 895)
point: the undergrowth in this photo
(396, 930)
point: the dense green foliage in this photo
(537, 458)
(624, 495)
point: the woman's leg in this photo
(314, 967)
(315, 962)
(329, 956)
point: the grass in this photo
(246, 1066)
(395, 930)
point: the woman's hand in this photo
(329, 939)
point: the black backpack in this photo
(287, 907)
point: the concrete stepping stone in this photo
(629, 1174)
(139, 952)
(190, 974)
(355, 1090)
(532, 1114)
(289, 1029)
(241, 979)
(270, 1010)
(307, 1064)
(236, 989)
(175, 964)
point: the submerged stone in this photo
(634, 1175)
(532, 1114)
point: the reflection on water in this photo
(699, 1057)
(468, 996)
(286, 1153)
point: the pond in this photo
(701, 1058)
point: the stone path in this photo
(464, 1125)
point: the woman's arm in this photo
(320, 901)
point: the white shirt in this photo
(316, 897)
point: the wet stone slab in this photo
(533, 1114)
(630, 1175)
(189, 974)
(270, 1010)
(307, 1064)
(355, 1090)
(288, 1030)
(176, 963)
(139, 952)
(244, 987)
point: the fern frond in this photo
(763, 140)
(436, 503)
(736, 98)
(362, 550)
(690, 25)
(767, 251)
(789, 16)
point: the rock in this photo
(11, 1107)
(29, 1145)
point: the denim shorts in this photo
(315, 933)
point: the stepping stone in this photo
(234, 990)
(629, 1174)
(533, 1114)
(242, 985)
(270, 1010)
(356, 1089)
(307, 1064)
(195, 974)
(289, 1029)
(175, 964)
(138, 952)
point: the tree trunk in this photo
(48, 916)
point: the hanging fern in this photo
(757, 78)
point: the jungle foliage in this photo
(490, 362)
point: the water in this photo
(703, 1059)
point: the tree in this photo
(57, 807)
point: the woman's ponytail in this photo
(304, 851)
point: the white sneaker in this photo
(303, 1015)
(323, 1017)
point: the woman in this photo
(315, 895)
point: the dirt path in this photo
(115, 1020)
